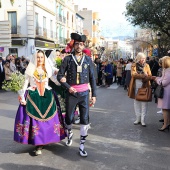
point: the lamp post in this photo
(158, 38)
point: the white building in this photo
(119, 49)
(33, 25)
(65, 23)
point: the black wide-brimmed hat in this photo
(78, 37)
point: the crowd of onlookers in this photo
(119, 71)
(106, 72)
(11, 64)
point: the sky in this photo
(113, 22)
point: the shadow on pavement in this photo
(9, 166)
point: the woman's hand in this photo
(63, 80)
(154, 78)
(55, 72)
(23, 102)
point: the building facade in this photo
(92, 25)
(35, 25)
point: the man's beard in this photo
(78, 51)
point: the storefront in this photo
(45, 46)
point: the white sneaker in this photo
(69, 140)
(143, 124)
(159, 112)
(136, 122)
(38, 152)
(83, 153)
(77, 121)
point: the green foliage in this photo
(154, 14)
(15, 83)
(58, 62)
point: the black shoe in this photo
(161, 120)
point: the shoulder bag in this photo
(159, 91)
(144, 94)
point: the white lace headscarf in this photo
(33, 64)
(52, 58)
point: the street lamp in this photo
(158, 38)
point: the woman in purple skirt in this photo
(38, 120)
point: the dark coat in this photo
(109, 70)
(2, 76)
(69, 68)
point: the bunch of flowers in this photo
(15, 83)
(58, 62)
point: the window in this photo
(36, 24)
(44, 22)
(12, 17)
(44, 27)
(13, 51)
(51, 28)
(36, 20)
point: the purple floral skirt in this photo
(28, 130)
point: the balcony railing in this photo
(64, 20)
(60, 18)
(43, 32)
(38, 31)
(16, 29)
(62, 40)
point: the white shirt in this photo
(128, 66)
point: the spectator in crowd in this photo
(8, 57)
(12, 64)
(25, 64)
(108, 73)
(99, 71)
(128, 73)
(18, 64)
(8, 72)
(114, 71)
(2, 72)
(140, 72)
(164, 103)
(22, 62)
(120, 66)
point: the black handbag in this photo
(159, 91)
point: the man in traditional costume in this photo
(79, 72)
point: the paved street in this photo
(114, 143)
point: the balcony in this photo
(60, 18)
(45, 33)
(38, 31)
(62, 40)
(64, 20)
(16, 29)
